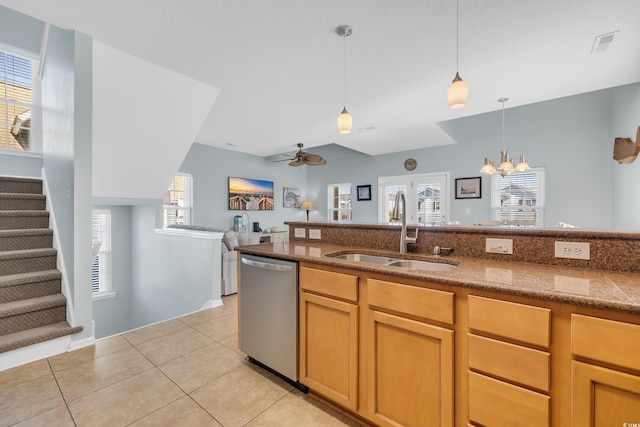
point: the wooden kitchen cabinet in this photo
(410, 362)
(606, 395)
(329, 335)
(504, 370)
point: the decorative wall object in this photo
(290, 197)
(625, 150)
(469, 188)
(364, 192)
(250, 194)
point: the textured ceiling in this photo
(279, 63)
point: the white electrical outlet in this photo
(499, 246)
(573, 250)
(314, 234)
(300, 232)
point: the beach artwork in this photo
(250, 194)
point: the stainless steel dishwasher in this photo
(268, 304)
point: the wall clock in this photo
(410, 164)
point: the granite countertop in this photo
(592, 288)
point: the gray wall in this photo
(21, 31)
(211, 167)
(170, 276)
(570, 137)
(66, 105)
(113, 315)
(626, 188)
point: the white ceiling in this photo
(279, 63)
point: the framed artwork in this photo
(364, 192)
(290, 197)
(250, 194)
(469, 188)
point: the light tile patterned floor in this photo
(182, 372)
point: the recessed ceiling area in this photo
(279, 64)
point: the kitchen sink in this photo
(394, 262)
(422, 265)
(371, 259)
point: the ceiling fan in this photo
(304, 158)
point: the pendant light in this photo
(344, 119)
(506, 163)
(458, 90)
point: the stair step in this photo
(21, 201)
(23, 219)
(27, 260)
(20, 185)
(12, 240)
(16, 287)
(36, 335)
(32, 313)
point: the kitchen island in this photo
(491, 342)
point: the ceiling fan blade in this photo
(284, 160)
(312, 157)
(297, 162)
(315, 162)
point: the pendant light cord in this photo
(504, 144)
(457, 35)
(344, 76)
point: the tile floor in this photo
(182, 372)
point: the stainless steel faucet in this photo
(395, 215)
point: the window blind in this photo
(518, 199)
(101, 268)
(16, 101)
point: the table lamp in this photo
(307, 206)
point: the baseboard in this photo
(32, 353)
(212, 303)
(85, 342)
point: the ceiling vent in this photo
(603, 42)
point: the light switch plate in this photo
(300, 232)
(314, 234)
(573, 250)
(499, 246)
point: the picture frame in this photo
(249, 194)
(290, 197)
(364, 192)
(469, 188)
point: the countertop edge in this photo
(285, 252)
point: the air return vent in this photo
(603, 42)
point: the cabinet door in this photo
(410, 372)
(329, 348)
(604, 397)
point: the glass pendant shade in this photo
(506, 164)
(344, 122)
(457, 92)
(488, 168)
(522, 164)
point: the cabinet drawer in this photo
(525, 323)
(412, 300)
(496, 403)
(509, 361)
(338, 285)
(607, 341)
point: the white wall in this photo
(145, 119)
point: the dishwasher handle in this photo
(266, 265)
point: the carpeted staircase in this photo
(32, 307)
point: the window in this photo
(101, 239)
(339, 202)
(16, 101)
(177, 201)
(426, 196)
(518, 199)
